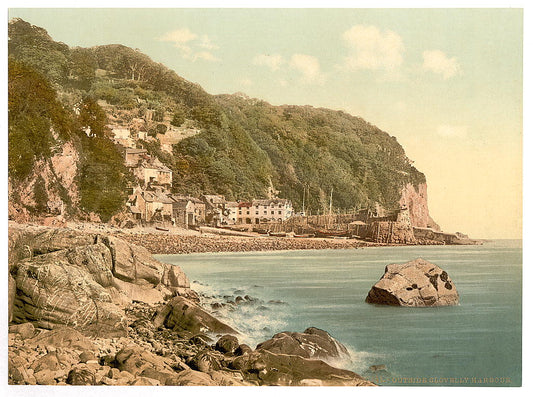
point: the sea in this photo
(477, 343)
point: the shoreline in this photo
(178, 241)
(172, 244)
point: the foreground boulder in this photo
(83, 280)
(181, 314)
(265, 368)
(417, 283)
(312, 343)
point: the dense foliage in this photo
(243, 147)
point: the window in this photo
(264, 212)
(272, 212)
(240, 212)
(257, 212)
(247, 212)
(279, 212)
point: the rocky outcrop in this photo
(312, 343)
(417, 283)
(181, 314)
(84, 280)
(56, 177)
(266, 368)
(415, 199)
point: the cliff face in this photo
(49, 188)
(415, 198)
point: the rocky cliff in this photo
(415, 198)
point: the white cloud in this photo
(204, 55)
(274, 62)
(371, 48)
(436, 61)
(452, 130)
(191, 45)
(179, 36)
(205, 42)
(309, 67)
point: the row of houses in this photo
(157, 205)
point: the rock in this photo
(81, 375)
(18, 371)
(144, 381)
(270, 369)
(416, 283)
(63, 337)
(135, 360)
(243, 349)
(201, 340)
(226, 378)
(205, 361)
(135, 265)
(68, 288)
(45, 377)
(227, 344)
(190, 377)
(25, 330)
(312, 343)
(88, 356)
(48, 362)
(83, 280)
(181, 314)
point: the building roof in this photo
(158, 167)
(135, 151)
(134, 209)
(214, 198)
(178, 198)
(157, 197)
(267, 202)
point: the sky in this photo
(447, 83)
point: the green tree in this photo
(93, 116)
(33, 110)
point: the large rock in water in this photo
(416, 283)
(83, 280)
(312, 343)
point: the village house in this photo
(272, 210)
(153, 172)
(244, 213)
(122, 136)
(133, 157)
(275, 210)
(187, 211)
(214, 208)
(151, 205)
(230, 212)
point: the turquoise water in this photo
(477, 343)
